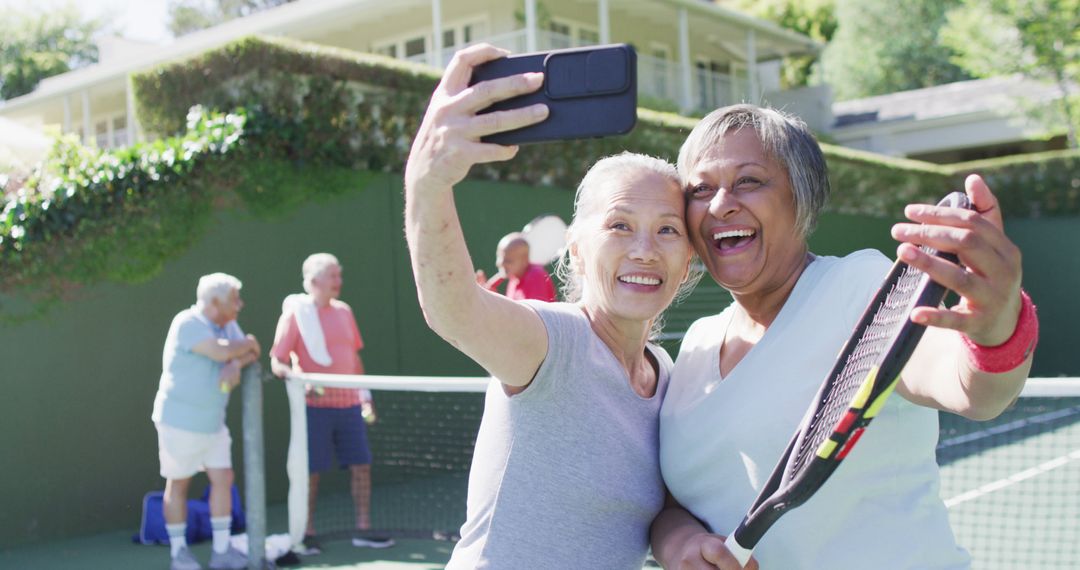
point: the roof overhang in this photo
(778, 41)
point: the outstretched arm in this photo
(942, 372)
(506, 338)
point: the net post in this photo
(254, 466)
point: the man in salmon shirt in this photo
(335, 416)
(525, 280)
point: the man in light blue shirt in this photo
(204, 353)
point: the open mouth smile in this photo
(732, 240)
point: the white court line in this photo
(1013, 479)
(1011, 426)
(377, 382)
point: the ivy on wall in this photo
(240, 119)
(88, 215)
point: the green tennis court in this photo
(1012, 486)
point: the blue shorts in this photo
(342, 429)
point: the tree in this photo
(186, 16)
(883, 46)
(40, 43)
(1038, 39)
(813, 18)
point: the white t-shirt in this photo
(721, 437)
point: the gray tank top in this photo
(566, 473)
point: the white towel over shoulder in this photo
(303, 307)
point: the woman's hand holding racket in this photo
(706, 551)
(448, 143)
(988, 276)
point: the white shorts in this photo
(184, 453)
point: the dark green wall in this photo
(1052, 278)
(1051, 267)
(78, 447)
(79, 450)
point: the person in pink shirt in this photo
(335, 416)
(524, 280)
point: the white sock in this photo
(177, 537)
(220, 526)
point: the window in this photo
(101, 134)
(415, 46)
(587, 37)
(120, 134)
(560, 35)
(659, 52)
(712, 81)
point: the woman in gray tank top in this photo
(565, 473)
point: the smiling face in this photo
(631, 249)
(741, 215)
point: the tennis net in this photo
(1012, 485)
(421, 444)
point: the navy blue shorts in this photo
(340, 429)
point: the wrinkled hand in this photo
(367, 411)
(279, 369)
(254, 345)
(707, 552)
(229, 377)
(988, 281)
(448, 143)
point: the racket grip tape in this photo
(741, 554)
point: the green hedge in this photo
(120, 215)
(89, 215)
(1031, 185)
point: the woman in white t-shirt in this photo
(565, 473)
(755, 180)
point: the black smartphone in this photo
(590, 92)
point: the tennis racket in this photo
(854, 392)
(547, 237)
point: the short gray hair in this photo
(786, 139)
(216, 286)
(314, 265)
(605, 169)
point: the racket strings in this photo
(878, 336)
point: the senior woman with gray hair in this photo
(755, 180)
(204, 352)
(565, 473)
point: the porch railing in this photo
(660, 83)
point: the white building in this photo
(956, 122)
(692, 54)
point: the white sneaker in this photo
(184, 560)
(231, 559)
(372, 542)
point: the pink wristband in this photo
(1013, 352)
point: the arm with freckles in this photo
(940, 374)
(506, 338)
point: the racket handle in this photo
(741, 554)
